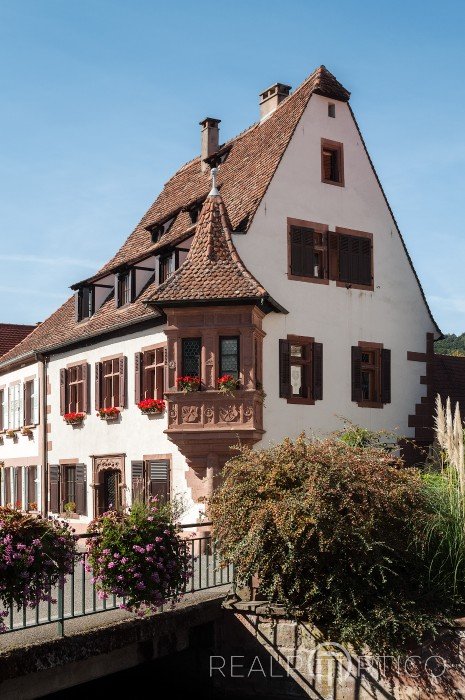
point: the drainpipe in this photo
(42, 361)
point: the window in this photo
(150, 374)
(3, 416)
(68, 484)
(74, 389)
(355, 260)
(111, 383)
(28, 388)
(191, 353)
(229, 356)
(332, 162)
(123, 288)
(332, 111)
(84, 302)
(151, 478)
(18, 487)
(371, 375)
(31, 486)
(307, 252)
(300, 370)
(14, 406)
(165, 268)
(7, 485)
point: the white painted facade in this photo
(20, 451)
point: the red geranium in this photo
(188, 383)
(227, 384)
(110, 412)
(151, 405)
(74, 417)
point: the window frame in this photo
(124, 285)
(155, 389)
(110, 378)
(221, 371)
(319, 229)
(28, 402)
(377, 349)
(183, 367)
(338, 148)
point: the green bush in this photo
(334, 533)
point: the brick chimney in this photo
(210, 135)
(271, 97)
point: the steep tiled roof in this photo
(449, 379)
(213, 269)
(252, 158)
(11, 334)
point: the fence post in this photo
(61, 606)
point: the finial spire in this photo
(214, 191)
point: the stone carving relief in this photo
(190, 414)
(229, 414)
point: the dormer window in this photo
(194, 213)
(124, 287)
(165, 267)
(84, 302)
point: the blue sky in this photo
(100, 102)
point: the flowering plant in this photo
(34, 554)
(10, 433)
(139, 555)
(111, 412)
(227, 384)
(151, 405)
(74, 418)
(188, 383)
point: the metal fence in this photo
(78, 596)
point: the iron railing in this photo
(77, 595)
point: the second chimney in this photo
(210, 136)
(270, 98)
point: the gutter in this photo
(42, 375)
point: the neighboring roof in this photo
(252, 159)
(449, 379)
(11, 334)
(213, 269)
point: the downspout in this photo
(42, 361)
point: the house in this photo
(274, 258)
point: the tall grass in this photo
(444, 482)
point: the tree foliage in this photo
(451, 344)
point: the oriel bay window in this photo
(150, 373)
(74, 388)
(300, 370)
(229, 356)
(371, 375)
(110, 383)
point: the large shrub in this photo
(333, 533)
(139, 555)
(34, 555)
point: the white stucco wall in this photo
(134, 434)
(23, 450)
(393, 314)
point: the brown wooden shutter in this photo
(122, 382)
(138, 481)
(356, 373)
(7, 473)
(333, 256)
(317, 371)
(81, 489)
(344, 258)
(98, 385)
(31, 485)
(138, 374)
(85, 387)
(78, 305)
(302, 255)
(54, 481)
(386, 376)
(365, 261)
(63, 392)
(117, 299)
(19, 487)
(159, 480)
(284, 369)
(132, 284)
(327, 158)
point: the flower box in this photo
(188, 384)
(26, 431)
(108, 414)
(227, 384)
(74, 418)
(151, 406)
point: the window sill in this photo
(315, 280)
(296, 399)
(352, 285)
(332, 182)
(370, 404)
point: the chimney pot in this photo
(271, 98)
(210, 136)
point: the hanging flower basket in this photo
(74, 418)
(35, 554)
(227, 384)
(110, 413)
(188, 383)
(10, 434)
(140, 556)
(151, 406)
